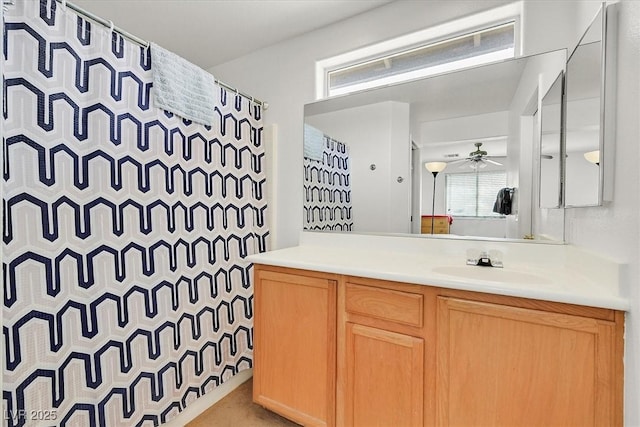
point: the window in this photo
(487, 36)
(479, 47)
(473, 194)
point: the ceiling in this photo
(212, 32)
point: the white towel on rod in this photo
(181, 87)
(313, 143)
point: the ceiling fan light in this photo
(477, 164)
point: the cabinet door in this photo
(384, 384)
(294, 354)
(505, 366)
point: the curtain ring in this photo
(111, 26)
(63, 3)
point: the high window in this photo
(479, 39)
(473, 194)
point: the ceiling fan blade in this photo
(492, 162)
(457, 161)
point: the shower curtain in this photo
(327, 189)
(125, 228)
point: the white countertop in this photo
(552, 281)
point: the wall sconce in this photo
(434, 168)
(593, 157)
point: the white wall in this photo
(377, 135)
(284, 74)
(399, 156)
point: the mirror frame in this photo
(607, 14)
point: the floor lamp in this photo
(434, 168)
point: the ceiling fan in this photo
(477, 159)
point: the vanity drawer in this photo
(386, 304)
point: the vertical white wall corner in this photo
(270, 138)
(400, 167)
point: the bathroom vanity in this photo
(359, 332)
(365, 330)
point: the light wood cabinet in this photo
(508, 366)
(294, 345)
(384, 372)
(350, 351)
(380, 355)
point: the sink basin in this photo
(491, 274)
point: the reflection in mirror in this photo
(550, 146)
(475, 120)
(584, 74)
(327, 183)
(548, 221)
(589, 114)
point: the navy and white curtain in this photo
(327, 188)
(125, 228)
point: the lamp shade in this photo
(593, 156)
(435, 166)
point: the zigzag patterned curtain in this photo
(327, 189)
(126, 292)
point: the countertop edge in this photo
(607, 302)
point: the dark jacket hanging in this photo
(503, 202)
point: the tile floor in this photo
(237, 410)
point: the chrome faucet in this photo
(484, 260)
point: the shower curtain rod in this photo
(143, 43)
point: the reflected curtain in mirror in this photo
(327, 183)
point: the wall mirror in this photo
(590, 115)
(366, 154)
